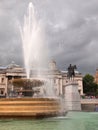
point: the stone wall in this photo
(88, 107)
(32, 107)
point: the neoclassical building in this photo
(58, 77)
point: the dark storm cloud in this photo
(71, 31)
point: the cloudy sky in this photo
(70, 26)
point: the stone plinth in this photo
(29, 107)
(72, 96)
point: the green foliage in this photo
(89, 86)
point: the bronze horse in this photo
(71, 71)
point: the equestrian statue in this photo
(71, 72)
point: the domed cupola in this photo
(52, 65)
(12, 65)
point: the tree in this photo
(89, 86)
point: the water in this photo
(32, 41)
(34, 48)
(72, 121)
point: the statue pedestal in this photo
(72, 96)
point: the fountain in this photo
(30, 102)
(34, 47)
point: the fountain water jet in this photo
(31, 34)
(33, 46)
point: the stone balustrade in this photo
(89, 101)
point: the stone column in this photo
(72, 97)
(6, 86)
(61, 86)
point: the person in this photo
(96, 108)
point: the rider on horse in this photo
(71, 72)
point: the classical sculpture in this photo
(71, 71)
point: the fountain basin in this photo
(29, 107)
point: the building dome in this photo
(12, 65)
(52, 64)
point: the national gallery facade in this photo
(58, 77)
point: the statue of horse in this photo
(71, 71)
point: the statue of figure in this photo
(71, 71)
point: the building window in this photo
(66, 81)
(1, 92)
(79, 91)
(54, 81)
(2, 80)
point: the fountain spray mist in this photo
(34, 48)
(32, 40)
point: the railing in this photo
(89, 101)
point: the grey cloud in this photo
(71, 31)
